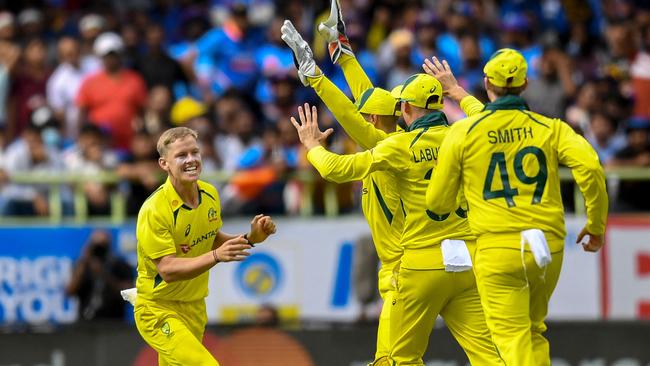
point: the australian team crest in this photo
(212, 214)
(185, 248)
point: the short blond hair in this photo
(168, 137)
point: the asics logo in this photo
(512, 70)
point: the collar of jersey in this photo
(507, 102)
(430, 120)
(172, 196)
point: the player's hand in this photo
(308, 130)
(233, 250)
(333, 30)
(593, 244)
(261, 227)
(442, 72)
(303, 56)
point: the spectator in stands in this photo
(113, 97)
(64, 84)
(231, 51)
(31, 25)
(28, 85)
(548, 94)
(140, 169)
(634, 194)
(98, 278)
(156, 66)
(397, 57)
(578, 115)
(90, 155)
(284, 87)
(28, 154)
(90, 27)
(604, 136)
(640, 73)
(9, 56)
(272, 58)
(155, 118)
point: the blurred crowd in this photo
(88, 86)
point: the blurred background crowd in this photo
(88, 86)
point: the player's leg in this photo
(539, 298)
(387, 293)
(464, 317)
(170, 336)
(505, 297)
(419, 297)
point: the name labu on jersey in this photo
(426, 154)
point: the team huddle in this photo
(467, 220)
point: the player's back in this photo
(382, 209)
(510, 169)
(419, 148)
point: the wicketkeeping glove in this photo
(333, 30)
(303, 56)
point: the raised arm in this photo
(342, 168)
(345, 112)
(576, 153)
(340, 50)
(441, 71)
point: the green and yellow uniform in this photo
(424, 289)
(506, 161)
(171, 317)
(379, 200)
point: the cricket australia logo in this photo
(185, 248)
(212, 214)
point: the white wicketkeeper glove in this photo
(333, 30)
(303, 57)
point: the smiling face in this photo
(182, 160)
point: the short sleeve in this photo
(154, 235)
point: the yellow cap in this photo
(185, 109)
(420, 90)
(507, 68)
(377, 101)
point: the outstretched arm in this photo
(441, 71)
(576, 153)
(340, 50)
(340, 168)
(362, 132)
(445, 182)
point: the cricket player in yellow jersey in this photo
(368, 122)
(179, 239)
(424, 287)
(506, 161)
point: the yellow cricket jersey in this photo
(379, 200)
(167, 226)
(410, 158)
(506, 159)
(355, 76)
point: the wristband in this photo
(216, 257)
(248, 240)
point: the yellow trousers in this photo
(423, 294)
(515, 293)
(387, 293)
(175, 330)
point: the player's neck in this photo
(187, 191)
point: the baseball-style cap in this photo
(377, 101)
(186, 109)
(506, 68)
(90, 22)
(106, 43)
(420, 90)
